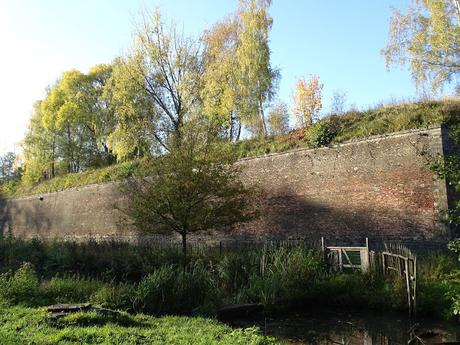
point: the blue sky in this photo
(338, 40)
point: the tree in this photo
(194, 187)
(338, 102)
(39, 149)
(7, 172)
(220, 91)
(164, 70)
(307, 100)
(134, 131)
(427, 37)
(257, 78)
(278, 118)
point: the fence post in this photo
(323, 249)
(364, 257)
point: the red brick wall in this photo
(380, 188)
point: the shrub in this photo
(115, 296)
(321, 133)
(22, 287)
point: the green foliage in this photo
(175, 290)
(22, 287)
(426, 37)
(32, 326)
(115, 296)
(91, 176)
(152, 280)
(354, 125)
(256, 77)
(195, 187)
(70, 289)
(321, 133)
(349, 126)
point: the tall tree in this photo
(67, 113)
(101, 121)
(195, 187)
(7, 167)
(135, 117)
(257, 78)
(427, 37)
(220, 87)
(39, 149)
(166, 67)
(307, 100)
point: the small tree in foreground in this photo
(195, 187)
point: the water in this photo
(357, 328)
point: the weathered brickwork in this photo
(380, 187)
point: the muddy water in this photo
(357, 328)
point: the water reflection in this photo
(331, 328)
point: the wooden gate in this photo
(342, 258)
(399, 260)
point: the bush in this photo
(321, 133)
(115, 296)
(22, 287)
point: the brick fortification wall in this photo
(380, 187)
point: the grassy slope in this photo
(19, 325)
(351, 125)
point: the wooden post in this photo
(409, 295)
(323, 250)
(383, 264)
(340, 260)
(415, 285)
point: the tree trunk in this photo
(262, 117)
(239, 131)
(184, 248)
(53, 158)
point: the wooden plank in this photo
(351, 249)
(351, 266)
(347, 257)
(365, 260)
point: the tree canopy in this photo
(427, 37)
(134, 106)
(195, 187)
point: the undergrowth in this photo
(281, 278)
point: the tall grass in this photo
(153, 281)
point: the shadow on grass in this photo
(95, 319)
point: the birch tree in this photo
(427, 38)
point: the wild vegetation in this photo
(150, 280)
(350, 125)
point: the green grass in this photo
(357, 125)
(332, 129)
(19, 325)
(111, 173)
